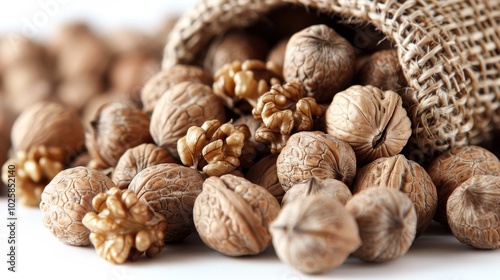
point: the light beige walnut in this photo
(329, 188)
(232, 215)
(372, 121)
(399, 173)
(170, 189)
(387, 223)
(315, 154)
(314, 234)
(66, 200)
(473, 212)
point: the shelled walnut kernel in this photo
(315, 234)
(124, 227)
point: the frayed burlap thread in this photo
(449, 51)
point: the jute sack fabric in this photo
(449, 51)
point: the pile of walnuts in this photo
(300, 145)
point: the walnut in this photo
(48, 124)
(247, 80)
(35, 169)
(277, 52)
(315, 154)
(232, 215)
(387, 223)
(17, 49)
(399, 173)
(372, 121)
(223, 147)
(7, 118)
(158, 84)
(232, 46)
(124, 227)
(135, 160)
(170, 189)
(331, 188)
(473, 212)
(321, 60)
(182, 106)
(66, 200)
(282, 110)
(78, 91)
(117, 126)
(382, 70)
(264, 174)
(452, 168)
(314, 234)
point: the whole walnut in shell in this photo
(314, 234)
(232, 215)
(264, 174)
(382, 70)
(182, 106)
(135, 159)
(473, 212)
(315, 154)
(116, 127)
(450, 169)
(158, 84)
(277, 52)
(170, 189)
(330, 188)
(321, 60)
(7, 118)
(48, 124)
(372, 121)
(387, 223)
(399, 173)
(66, 200)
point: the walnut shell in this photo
(330, 188)
(78, 91)
(135, 159)
(452, 168)
(48, 124)
(277, 52)
(158, 84)
(315, 154)
(116, 127)
(66, 200)
(315, 234)
(473, 212)
(372, 121)
(399, 173)
(387, 223)
(382, 70)
(182, 106)
(7, 118)
(320, 59)
(264, 174)
(170, 189)
(232, 215)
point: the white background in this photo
(435, 255)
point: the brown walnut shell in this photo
(182, 106)
(330, 188)
(473, 212)
(315, 154)
(387, 223)
(66, 200)
(232, 215)
(452, 168)
(320, 59)
(134, 160)
(7, 118)
(399, 173)
(382, 70)
(264, 174)
(170, 189)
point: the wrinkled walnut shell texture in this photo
(170, 189)
(135, 160)
(314, 235)
(382, 70)
(315, 154)
(320, 59)
(66, 200)
(473, 212)
(330, 188)
(387, 223)
(264, 174)
(232, 215)
(399, 173)
(456, 166)
(372, 121)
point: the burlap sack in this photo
(449, 52)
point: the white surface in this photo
(434, 255)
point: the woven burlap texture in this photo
(449, 51)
